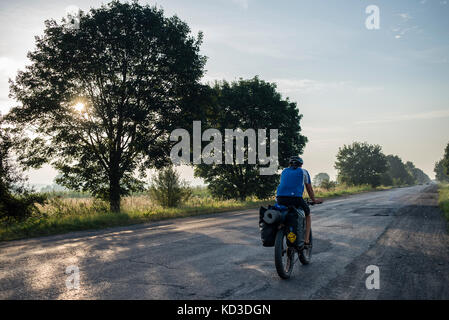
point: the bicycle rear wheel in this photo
(283, 255)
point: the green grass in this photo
(443, 199)
(343, 190)
(63, 214)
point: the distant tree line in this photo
(363, 163)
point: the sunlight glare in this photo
(79, 107)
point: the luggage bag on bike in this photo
(294, 223)
(269, 219)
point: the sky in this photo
(386, 86)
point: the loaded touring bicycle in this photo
(284, 228)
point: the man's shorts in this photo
(297, 202)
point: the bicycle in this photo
(286, 246)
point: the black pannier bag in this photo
(267, 231)
(295, 222)
(291, 220)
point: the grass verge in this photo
(62, 215)
(346, 190)
(66, 215)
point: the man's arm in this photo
(311, 193)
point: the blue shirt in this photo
(292, 182)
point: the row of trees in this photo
(357, 164)
(442, 167)
(363, 163)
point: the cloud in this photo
(405, 16)
(304, 85)
(403, 31)
(287, 86)
(436, 114)
(263, 41)
(242, 3)
(8, 67)
(325, 130)
(403, 26)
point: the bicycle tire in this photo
(284, 270)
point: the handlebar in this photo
(311, 203)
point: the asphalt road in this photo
(220, 256)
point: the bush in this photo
(328, 185)
(18, 206)
(168, 189)
(16, 203)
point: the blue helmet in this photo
(295, 161)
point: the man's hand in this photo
(317, 201)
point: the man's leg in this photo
(306, 209)
(308, 227)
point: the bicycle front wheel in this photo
(283, 255)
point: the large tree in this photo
(361, 163)
(445, 162)
(99, 101)
(250, 104)
(440, 173)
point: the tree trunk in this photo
(114, 191)
(242, 193)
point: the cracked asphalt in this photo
(220, 256)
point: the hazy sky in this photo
(388, 86)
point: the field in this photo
(65, 212)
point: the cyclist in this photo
(291, 188)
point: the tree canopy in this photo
(99, 101)
(445, 162)
(250, 104)
(440, 172)
(441, 168)
(361, 163)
